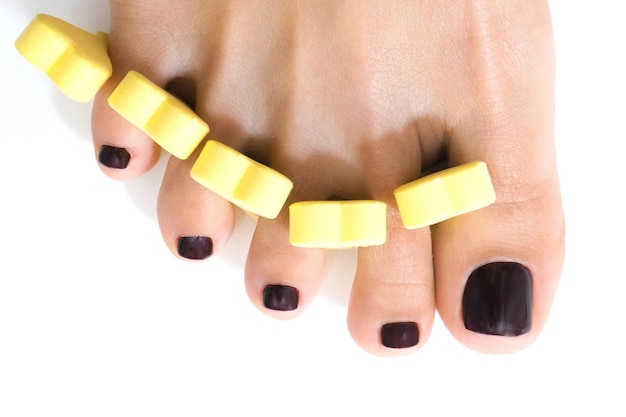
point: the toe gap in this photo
(183, 88)
(257, 151)
(439, 165)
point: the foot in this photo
(351, 99)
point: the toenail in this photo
(280, 297)
(113, 157)
(498, 300)
(400, 335)
(195, 247)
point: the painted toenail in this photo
(280, 297)
(195, 247)
(113, 157)
(498, 300)
(400, 335)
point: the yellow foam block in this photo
(337, 224)
(445, 194)
(162, 116)
(75, 60)
(244, 182)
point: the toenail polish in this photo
(113, 157)
(280, 297)
(498, 300)
(195, 247)
(400, 335)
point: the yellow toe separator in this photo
(337, 224)
(251, 186)
(445, 194)
(163, 117)
(75, 60)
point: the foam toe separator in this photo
(337, 224)
(75, 60)
(162, 116)
(445, 194)
(250, 185)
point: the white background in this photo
(98, 319)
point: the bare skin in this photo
(351, 99)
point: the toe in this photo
(497, 269)
(281, 279)
(122, 150)
(392, 301)
(194, 222)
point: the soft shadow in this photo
(144, 190)
(77, 116)
(235, 253)
(337, 284)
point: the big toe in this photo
(497, 268)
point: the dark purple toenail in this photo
(195, 247)
(400, 335)
(498, 299)
(113, 157)
(280, 297)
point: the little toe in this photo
(392, 304)
(122, 150)
(194, 222)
